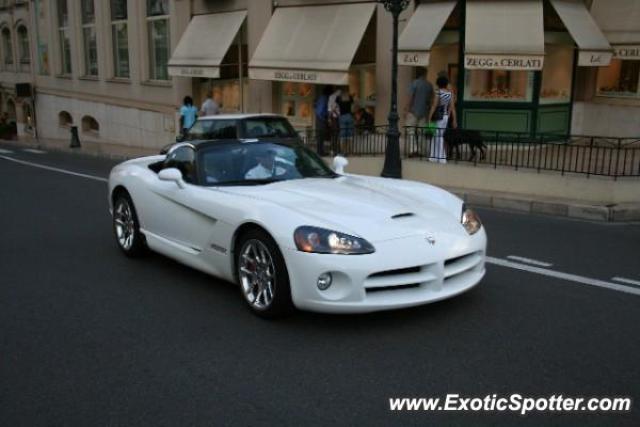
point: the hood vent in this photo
(403, 215)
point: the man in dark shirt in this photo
(322, 117)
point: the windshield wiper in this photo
(263, 181)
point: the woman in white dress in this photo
(443, 109)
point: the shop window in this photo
(64, 37)
(24, 55)
(120, 38)
(90, 49)
(498, 86)
(557, 75)
(64, 119)
(362, 85)
(7, 49)
(621, 79)
(158, 38)
(297, 102)
(90, 125)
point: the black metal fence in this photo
(588, 155)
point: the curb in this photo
(624, 212)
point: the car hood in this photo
(360, 206)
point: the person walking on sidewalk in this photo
(209, 107)
(188, 115)
(443, 109)
(321, 109)
(347, 123)
(417, 109)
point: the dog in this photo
(455, 138)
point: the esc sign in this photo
(413, 58)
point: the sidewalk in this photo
(560, 207)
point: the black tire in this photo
(281, 303)
(136, 246)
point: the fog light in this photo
(324, 281)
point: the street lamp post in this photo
(392, 164)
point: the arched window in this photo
(64, 119)
(24, 56)
(7, 48)
(11, 110)
(90, 125)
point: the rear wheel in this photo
(262, 275)
(126, 227)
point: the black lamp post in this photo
(392, 164)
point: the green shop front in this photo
(519, 58)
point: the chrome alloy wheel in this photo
(124, 224)
(257, 274)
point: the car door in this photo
(181, 214)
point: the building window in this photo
(120, 38)
(24, 54)
(90, 48)
(498, 86)
(90, 125)
(7, 50)
(621, 79)
(64, 119)
(158, 35)
(64, 37)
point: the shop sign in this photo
(626, 51)
(208, 72)
(503, 62)
(594, 58)
(302, 76)
(413, 58)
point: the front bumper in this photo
(401, 273)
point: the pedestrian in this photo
(364, 121)
(417, 109)
(333, 112)
(347, 123)
(209, 107)
(443, 108)
(321, 109)
(188, 115)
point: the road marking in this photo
(3, 151)
(50, 168)
(625, 280)
(529, 261)
(34, 151)
(564, 276)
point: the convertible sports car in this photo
(272, 217)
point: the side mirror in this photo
(339, 163)
(171, 174)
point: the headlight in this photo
(323, 241)
(470, 220)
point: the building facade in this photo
(118, 69)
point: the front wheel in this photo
(262, 275)
(126, 227)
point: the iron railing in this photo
(588, 155)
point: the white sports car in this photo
(272, 217)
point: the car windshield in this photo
(267, 127)
(257, 163)
(213, 129)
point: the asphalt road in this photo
(88, 337)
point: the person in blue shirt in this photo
(188, 115)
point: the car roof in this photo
(239, 116)
(204, 143)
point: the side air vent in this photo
(403, 215)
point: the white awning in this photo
(314, 44)
(504, 34)
(204, 44)
(620, 22)
(593, 47)
(414, 45)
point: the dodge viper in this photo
(272, 217)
